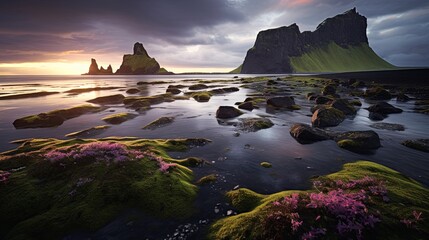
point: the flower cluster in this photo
(163, 166)
(341, 208)
(106, 152)
(412, 222)
(4, 176)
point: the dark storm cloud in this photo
(35, 30)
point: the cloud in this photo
(200, 33)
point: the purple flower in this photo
(4, 176)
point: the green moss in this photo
(266, 164)
(348, 144)
(190, 162)
(118, 118)
(295, 107)
(160, 122)
(55, 117)
(406, 195)
(237, 70)
(201, 96)
(155, 99)
(44, 199)
(88, 131)
(334, 58)
(140, 63)
(207, 179)
(244, 199)
(355, 102)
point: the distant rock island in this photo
(338, 44)
(138, 63)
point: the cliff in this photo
(94, 70)
(338, 44)
(139, 62)
(132, 64)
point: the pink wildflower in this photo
(4, 176)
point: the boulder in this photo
(329, 90)
(254, 124)
(112, 99)
(402, 98)
(344, 106)
(322, 100)
(41, 120)
(246, 106)
(225, 112)
(281, 102)
(418, 144)
(327, 117)
(384, 108)
(388, 126)
(377, 93)
(173, 90)
(306, 134)
(133, 91)
(358, 141)
(198, 87)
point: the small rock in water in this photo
(236, 187)
(229, 212)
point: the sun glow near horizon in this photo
(77, 68)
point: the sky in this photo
(61, 37)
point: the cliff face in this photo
(93, 69)
(132, 64)
(139, 62)
(280, 50)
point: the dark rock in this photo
(376, 116)
(112, 99)
(358, 141)
(224, 112)
(377, 93)
(274, 47)
(384, 108)
(271, 82)
(329, 90)
(281, 102)
(402, 98)
(139, 62)
(42, 120)
(173, 90)
(93, 69)
(305, 134)
(254, 124)
(246, 106)
(317, 107)
(327, 117)
(198, 87)
(418, 144)
(344, 106)
(133, 91)
(160, 122)
(322, 100)
(388, 126)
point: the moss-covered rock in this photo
(225, 112)
(401, 198)
(88, 132)
(327, 117)
(266, 164)
(358, 141)
(160, 122)
(344, 106)
(377, 93)
(112, 99)
(201, 96)
(418, 144)
(68, 185)
(384, 108)
(54, 118)
(254, 124)
(306, 134)
(118, 118)
(207, 179)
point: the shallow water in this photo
(235, 159)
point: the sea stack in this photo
(139, 62)
(94, 70)
(338, 44)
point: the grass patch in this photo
(405, 194)
(50, 197)
(333, 58)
